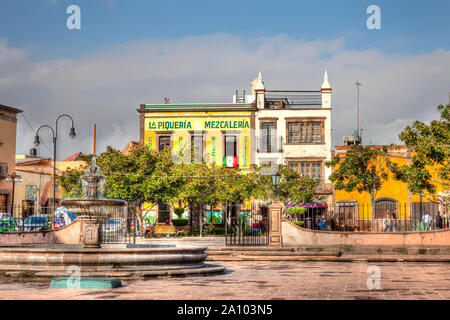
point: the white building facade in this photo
(293, 128)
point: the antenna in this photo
(358, 84)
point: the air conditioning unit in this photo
(3, 170)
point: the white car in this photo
(5, 216)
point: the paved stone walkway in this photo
(269, 280)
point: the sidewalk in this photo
(218, 251)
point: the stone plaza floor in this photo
(269, 280)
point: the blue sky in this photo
(140, 51)
(38, 26)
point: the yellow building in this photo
(394, 195)
(217, 133)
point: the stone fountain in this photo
(23, 257)
(93, 208)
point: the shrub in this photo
(299, 223)
(180, 222)
(178, 211)
(214, 231)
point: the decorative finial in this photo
(325, 83)
(259, 85)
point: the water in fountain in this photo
(93, 206)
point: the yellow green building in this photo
(218, 133)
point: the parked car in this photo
(37, 222)
(5, 216)
(7, 225)
(18, 223)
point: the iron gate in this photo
(246, 225)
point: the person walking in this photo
(427, 221)
(393, 220)
(439, 221)
(387, 222)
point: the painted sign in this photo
(213, 130)
(169, 124)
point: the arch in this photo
(382, 205)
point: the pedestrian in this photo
(446, 220)
(387, 222)
(147, 228)
(323, 225)
(393, 220)
(427, 220)
(439, 221)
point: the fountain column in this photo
(93, 208)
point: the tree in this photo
(70, 183)
(128, 177)
(363, 169)
(292, 188)
(431, 147)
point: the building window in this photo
(312, 169)
(267, 136)
(305, 132)
(197, 148)
(163, 141)
(230, 157)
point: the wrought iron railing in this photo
(353, 217)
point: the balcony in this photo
(269, 144)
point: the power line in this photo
(34, 130)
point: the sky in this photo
(140, 51)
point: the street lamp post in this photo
(275, 182)
(14, 178)
(55, 137)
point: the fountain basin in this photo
(94, 210)
(39, 263)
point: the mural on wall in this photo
(149, 212)
(214, 217)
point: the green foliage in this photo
(292, 188)
(420, 226)
(363, 169)
(241, 228)
(431, 143)
(178, 211)
(214, 231)
(180, 222)
(70, 183)
(299, 223)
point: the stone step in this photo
(268, 253)
(350, 258)
(270, 258)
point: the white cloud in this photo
(106, 88)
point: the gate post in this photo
(275, 236)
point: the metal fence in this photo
(386, 217)
(119, 227)
(22, 218)
(246, 225)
